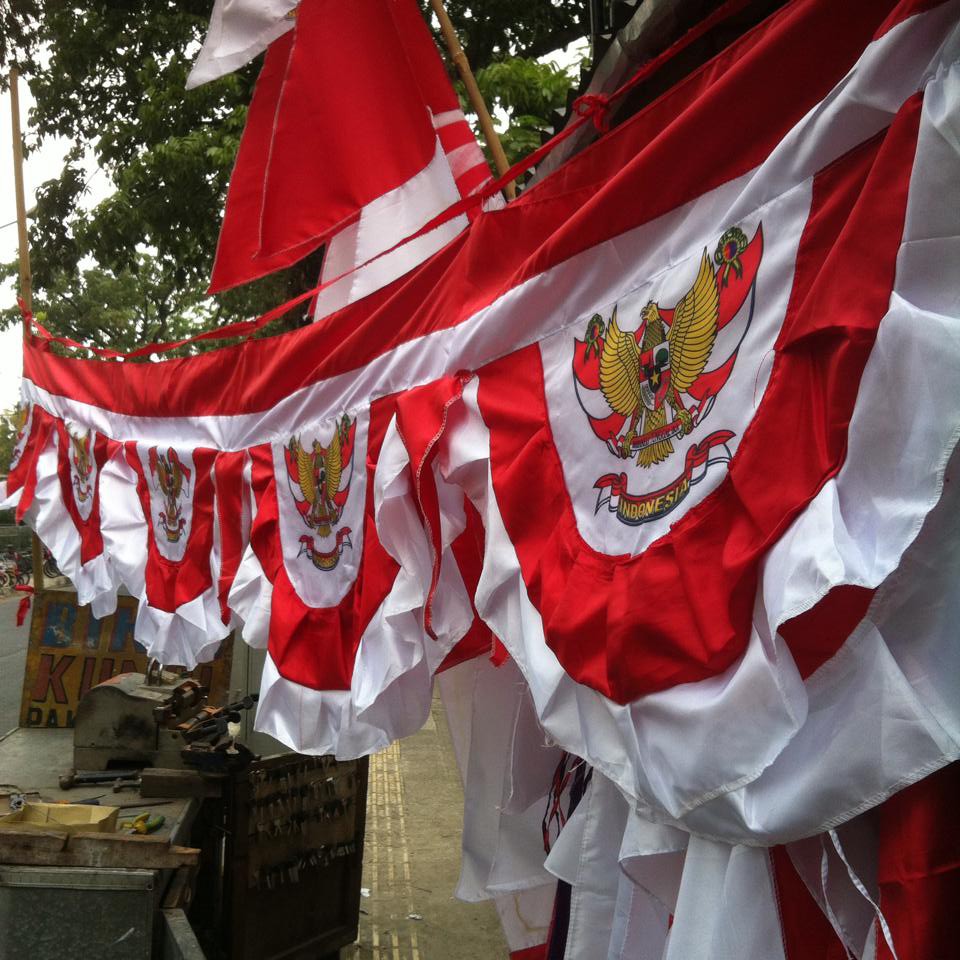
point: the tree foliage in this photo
(492, 30)
(109, 77)
(532, 93)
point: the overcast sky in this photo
(41, 165)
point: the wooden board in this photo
(161, 782)
(179, 891)
(50, 848)
(71, 651)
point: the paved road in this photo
(13, 653)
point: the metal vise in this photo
(134, 720)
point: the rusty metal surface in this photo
(115, 725)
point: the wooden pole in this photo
(473, 92)
(26, 278)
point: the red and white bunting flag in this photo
(354, 133)
(679, 426)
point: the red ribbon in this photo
(23, 608)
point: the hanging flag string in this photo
(245, 328)
(590, 108)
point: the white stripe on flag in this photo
(384, 222)
(465, 158)
(447, 117)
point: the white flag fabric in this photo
(239, 31)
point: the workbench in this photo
(90, 895)
(278, 846)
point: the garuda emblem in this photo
(319, 478)
(658, 383)
(81, 459)
(170, 476)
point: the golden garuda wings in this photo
(322, 466)
(317, 473)
(177, 479)
(620, 381)
(333, 463)
(690, 337)
(304, 463)
(169, 476)
(620, 370)
(694, 328)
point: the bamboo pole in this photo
(473, 92)
(26, 278)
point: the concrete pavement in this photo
(13, 655)
(411, 858)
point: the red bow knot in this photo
(596, 106)
(25, 311)
(23, 607)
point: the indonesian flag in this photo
(456, 170)
(354, 135)
(678, 426)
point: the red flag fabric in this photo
(351, 122)
(919, 867)
(347, 109)
(239, 240)
(23, 607)
(698, 389)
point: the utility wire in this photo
(86, 184)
